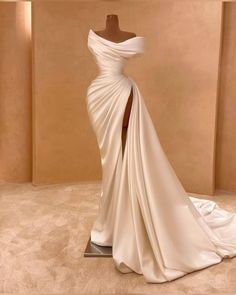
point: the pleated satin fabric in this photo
(154, 227)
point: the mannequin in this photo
(113, 33)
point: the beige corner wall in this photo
(15, 93)
(177, 77)
(226, 136)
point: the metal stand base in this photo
(93, 250)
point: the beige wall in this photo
(177, 76)
(64, 148)
(179, 83)
(226, 136)
(15, 93)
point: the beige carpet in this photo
(44, 231)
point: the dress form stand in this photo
(112, 33)
(93, 250)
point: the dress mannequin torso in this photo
(113, 33)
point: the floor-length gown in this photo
(154, 227)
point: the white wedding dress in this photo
(154, 227)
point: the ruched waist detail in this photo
(111, 71)
(108, 68)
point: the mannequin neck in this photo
(112, 23)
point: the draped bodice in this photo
(112, 56)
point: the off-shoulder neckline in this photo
(115, 42)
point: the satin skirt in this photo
(154, 227)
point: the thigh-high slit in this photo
(125, 122)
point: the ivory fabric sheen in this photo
(154, 227)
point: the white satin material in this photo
(154, 227)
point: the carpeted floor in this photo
(44, 231)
